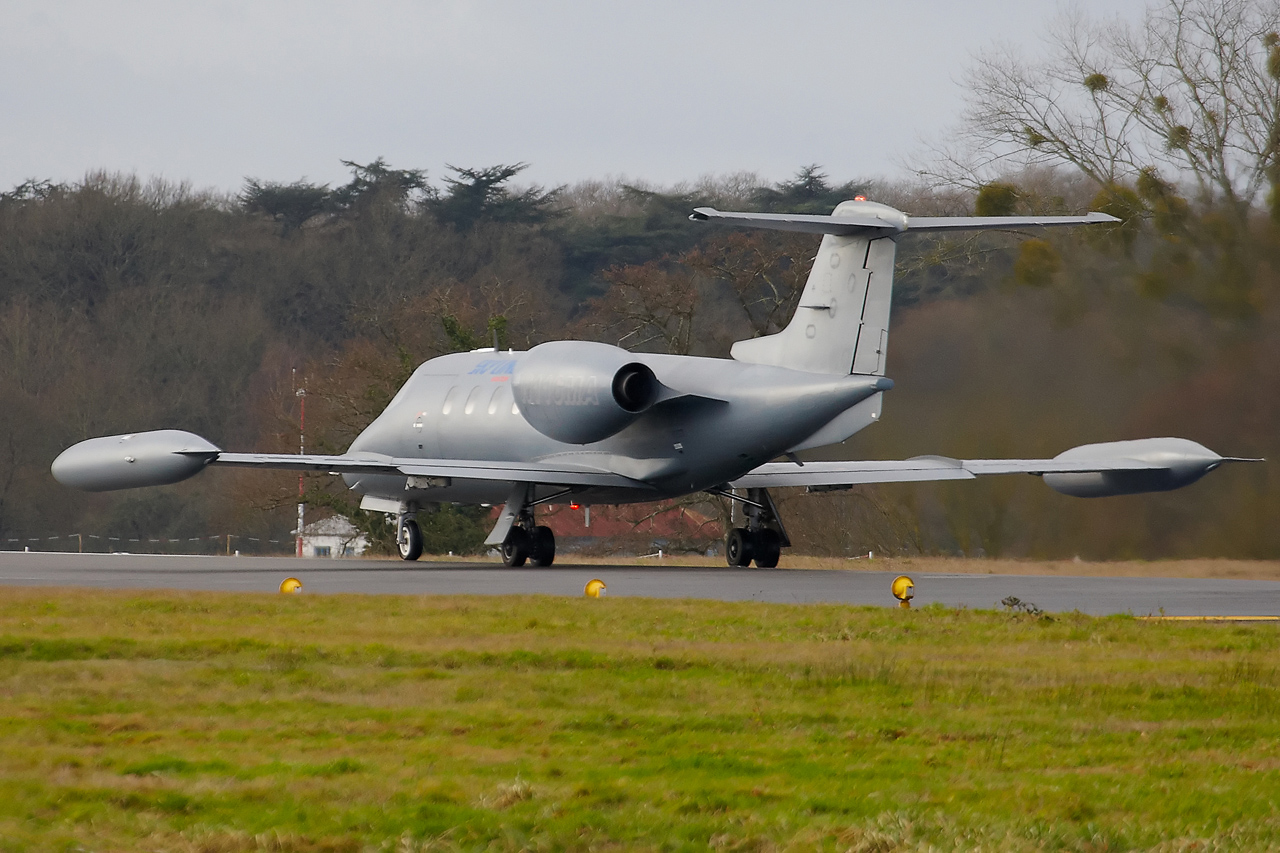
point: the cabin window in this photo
(472, 399)
(324, 550)
(449, 399)
(498, 401)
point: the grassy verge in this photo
(226, 722)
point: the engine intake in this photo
(580, 392)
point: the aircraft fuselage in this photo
(729, 418)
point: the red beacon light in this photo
(575, 505)
(859, 197)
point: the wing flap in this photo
(525, 472)
(305, 462)
(517, 472)
(778, 474)
(921, 469)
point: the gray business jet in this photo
(590, 423)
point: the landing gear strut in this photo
(764, 537)
(519, 537)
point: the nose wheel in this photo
(408, 538)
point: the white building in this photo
(332, 537)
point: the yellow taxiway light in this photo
(594, 589)
(903, 590)
(291, 585)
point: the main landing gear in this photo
(744, 545)
(524, 542)
(534, 543)
(518, 536)
(764, 537)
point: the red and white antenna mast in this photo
(301, 394)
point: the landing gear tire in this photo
(409, 540)
(739, 550)
(515, 548)
(768, 548)
(542, 546)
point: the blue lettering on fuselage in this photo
(493, 367)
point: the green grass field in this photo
(227, 722)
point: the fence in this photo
(221, 543)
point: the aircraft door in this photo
(425, 420)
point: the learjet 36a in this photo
(590, 423)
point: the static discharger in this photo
(595, 588)
(903, 590)
(290, 585)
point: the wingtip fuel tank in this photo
(154, 458)
(1180, 463)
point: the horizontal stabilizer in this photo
(841, 225)
(970, 223)
(887, 221)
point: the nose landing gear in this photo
(408, 537)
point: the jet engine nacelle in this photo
(579, 392)
(154, 458)
(1181, 462)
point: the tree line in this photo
(130, 304)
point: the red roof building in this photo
(671, 526)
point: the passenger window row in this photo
(499, 399)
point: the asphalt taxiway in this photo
(1094, 595)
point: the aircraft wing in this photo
(544, 473)
(923, 469)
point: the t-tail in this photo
(841, 324)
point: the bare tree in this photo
(648, 307)
(766, 273)
(1194, 90)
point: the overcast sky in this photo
(212, 92)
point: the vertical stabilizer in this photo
(842, 322)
